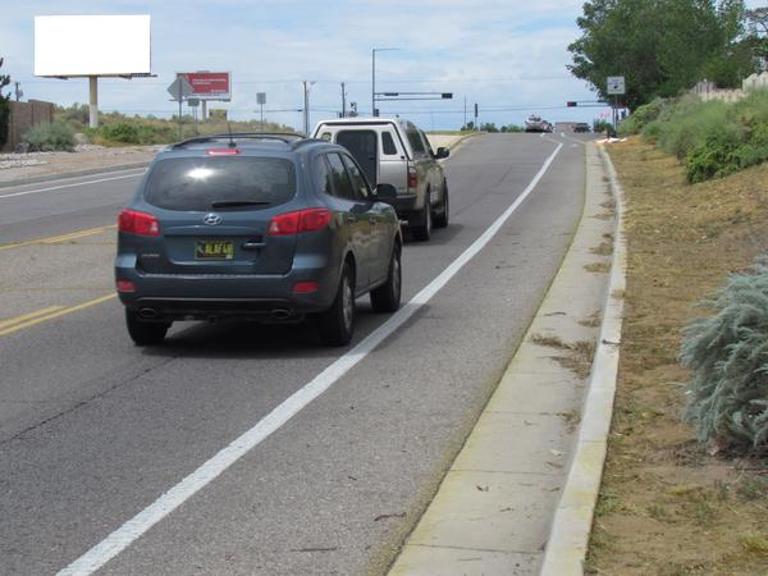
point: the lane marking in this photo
(17, 319)
(73, 185)
(134, 528)
(62, 238)
(61, 311)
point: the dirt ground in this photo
(668, 506)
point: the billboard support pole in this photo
(205, 110)
(181, 99)
(93, 102)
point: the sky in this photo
(508, 56)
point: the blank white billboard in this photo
(92, 45)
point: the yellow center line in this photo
(37, 318)
(61, 238)
(18, 319)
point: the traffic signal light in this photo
(571, 103)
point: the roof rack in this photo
(287, 137)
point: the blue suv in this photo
(269, 227)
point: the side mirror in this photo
(442, 153)
(386, 193)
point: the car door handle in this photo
(252, 245)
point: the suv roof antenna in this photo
(232, 143)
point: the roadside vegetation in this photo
(71, 126)
(665, 46)
(685, 488)
(5, 108)
(712, 139)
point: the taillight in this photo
(139, 223)
(125, 286)
(413, 178)
(306, 287)
(311, 220)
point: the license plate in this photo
(214, 250)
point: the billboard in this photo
(209, 85)
(67, 46)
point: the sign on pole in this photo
(180, 89)
(210, 85)
(615, 85)
(261, 98)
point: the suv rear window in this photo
(195, 184)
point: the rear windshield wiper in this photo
(238, 203)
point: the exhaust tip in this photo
(280, 314)
(148, 313)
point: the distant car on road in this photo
(394, 151)
(535, 123)
(581, 127)
(268, 227)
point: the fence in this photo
(25, 115)
(707, 90)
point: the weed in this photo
(572, 419)
(602, 249)
(598, 267)
(755, 544)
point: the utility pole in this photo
(307, 85)
(19, 92)
(465, 113)
(343, 101)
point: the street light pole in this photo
(373, 76)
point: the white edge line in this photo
(72, 185)
(134, 528)
(572, 524)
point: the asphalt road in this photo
(94, 430)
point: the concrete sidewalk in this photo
(493, 512)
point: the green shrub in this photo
(120, 132)
(713, 139)
(48, 137)
(728, 354)
(643, 116)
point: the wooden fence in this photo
(25, 115)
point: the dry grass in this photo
(598, 267)
(666, 506)
(578, 355)
(603, 249)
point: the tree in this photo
(757, 29)
(5, 107)
(660, 46)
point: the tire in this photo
(386, 298)
(423, 231)
(145, 333)
(337, 324)
(441, 220)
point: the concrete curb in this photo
(76, 174)
(569, 536)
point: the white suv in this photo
(394, 151)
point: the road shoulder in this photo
(493, 511)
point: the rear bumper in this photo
(406, 204)
(187, 297)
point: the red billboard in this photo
(209, 85)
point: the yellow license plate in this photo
(214, 250)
